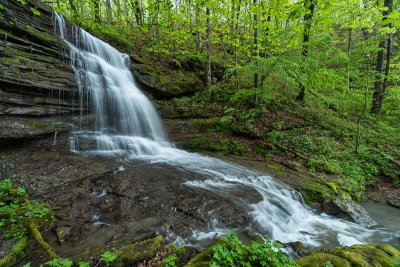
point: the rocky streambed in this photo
(98, 202)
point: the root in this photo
(39, 238)
(13, 257)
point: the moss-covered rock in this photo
(321, 260)
(225, 146)
(133, 253)
(166, 84)
(18, 251)
(358, 255)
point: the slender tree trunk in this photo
(209, 74)
(237, 36)
(138, 12)
(388, 58)
(109, 9)
(96, 9)
(306, 38)
(232, 38)
(197, 23)
(349, 44)
(382, 71)
(256, 51)
(73, 8)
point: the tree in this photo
(310, 6)
(209, 73)
(382, 71)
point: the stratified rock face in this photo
(35, 76)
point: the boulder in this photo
(355, 211)
(166, 84)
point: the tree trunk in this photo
(382, 72)
(73, 8)
(138, 13)
(109, 9)
(306, 38)
(209, 74)
(255, 54)
(196, 22)
(96, 9)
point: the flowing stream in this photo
(126, 124)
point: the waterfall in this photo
(126, 123)
(124, 118)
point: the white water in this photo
(122, 112)
(126, 124)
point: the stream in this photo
(127, 126)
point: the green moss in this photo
(224, 146)
(368, 255)
(18, 252)
(314, 190)
(132, 253)
(321, 259)
(43, 35)
(358, 256)
(280, 169)
(332, 186)
(40, 124)
(204, 125)
(202, 259)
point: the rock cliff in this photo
(35, 76)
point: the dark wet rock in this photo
(101, 206)
(14, 131)
(298, 248)
(35, 76)
(62, 233)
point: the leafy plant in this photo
(230, 251)
(170, 261)
(19, 211)
(58, 263)
(35, 11)
(108, 257)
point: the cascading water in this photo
(125, 119)
(127, 124)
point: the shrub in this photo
(232, 252)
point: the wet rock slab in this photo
(14, 131)
(96, 202)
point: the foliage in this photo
(232, 252)
(170, 261)
(18, 211)
(108, 257)
(58, 263)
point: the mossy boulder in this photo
(166, 84)
(133, 253)
(358, 255)
(321, 260)
(225, 146)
